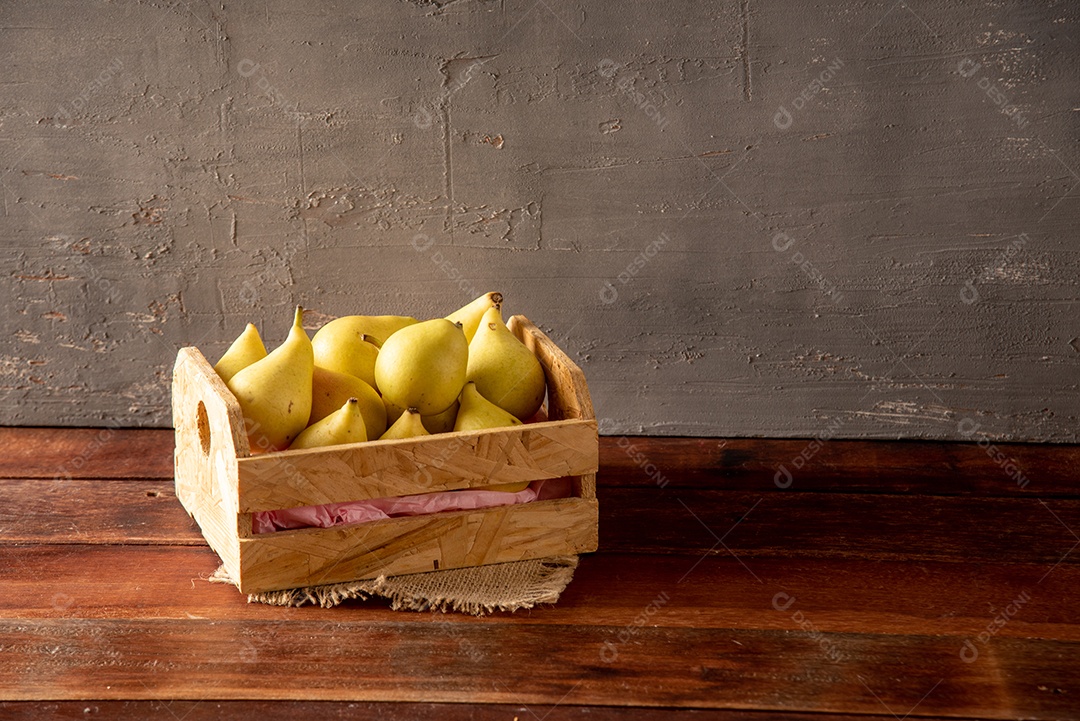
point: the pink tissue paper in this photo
(377, 509)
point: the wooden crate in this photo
(221, 484)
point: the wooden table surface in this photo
(888, 580)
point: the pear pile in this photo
(364, 377)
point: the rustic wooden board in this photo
(633, 520)
(928, 468)
(879, 594)
(213, 710)
(961, 528)
(93, 511)
(716, 592)
(86, 453)
(402, 661)
(986, 469)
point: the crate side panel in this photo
(205, 456)
(568, 393)
(432, 463)
(310, 557)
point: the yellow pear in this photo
(422, 366)
(329, 389)
(244, 351)
(506, 487)
(409, 425)
(478, 413)
(345, 425)
(438, 423)
(275, 392)
(340, 347)
(441, 422)
(393, 412)
(375, 329)
(504, 370)
(469, 316)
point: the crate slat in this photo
(443, 462)
(311, 556)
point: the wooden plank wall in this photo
(742, 218)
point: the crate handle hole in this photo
(203, 422)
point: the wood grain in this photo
(841, 525)
(92, 512)
(213, 710)
(986, 469)
(817, 603)
(60, 453)
(837, 596)
(400, 661)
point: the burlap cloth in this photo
(476, 591)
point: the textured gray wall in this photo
(785, 218)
